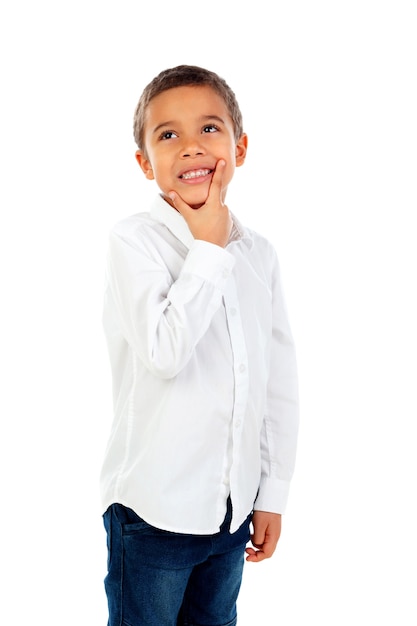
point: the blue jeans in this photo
(160, 578)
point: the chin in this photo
(195, 201)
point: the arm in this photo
(279, 433)
(163, 316)
(162, 310)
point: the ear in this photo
(144, 164)
(241, 149)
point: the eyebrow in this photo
(204, 118)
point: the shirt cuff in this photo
(272, 496)
(209, 261)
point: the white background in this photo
(328, 94)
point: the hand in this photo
(212, 221)
(266, 532)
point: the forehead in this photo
(186, 103)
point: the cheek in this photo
(159, 169)
(228, 174)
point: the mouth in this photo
(194, 174)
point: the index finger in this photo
(255, 556)
(216, 181)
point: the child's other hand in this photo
(212, 221)
(266, 532)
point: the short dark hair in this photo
(181, 76)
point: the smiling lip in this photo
(197, 175)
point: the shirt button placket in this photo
(239, 361)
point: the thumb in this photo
(258, 536)
(179, 204)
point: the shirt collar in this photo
(163, 212)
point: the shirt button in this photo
(238, 423)
(225, 273)
(233, 311)
(242, 368)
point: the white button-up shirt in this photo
(204, 375)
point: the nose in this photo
(192, 147)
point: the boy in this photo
(204, 372)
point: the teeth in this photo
(195, 173)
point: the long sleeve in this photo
(164, 311)
(280, 425)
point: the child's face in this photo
(187, 130)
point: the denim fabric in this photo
(160, 578)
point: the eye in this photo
(168, 134)
(210, 128)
